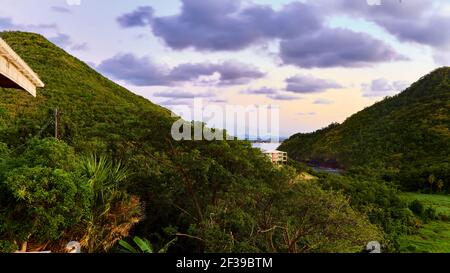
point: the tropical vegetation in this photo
(113, 175)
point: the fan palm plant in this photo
(113, 211)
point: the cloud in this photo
(323, 101)
(226, 24)
(271, 93)
(260, 91)
(283, 96)
(65, 41)
(49, 30)
(217, 100)
(80, 47)
(336, 48)
(141, 17)
(175, 102)
(306, 113)
(61, 9)
(383, 87)
(183, 94)
(412, 21)
(144, 72)
(62, 40)
(134, 70)
(305, 84)
(231, 25)
(7, 23)
(230, 72)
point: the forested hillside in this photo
(115, 171)
(404, 138)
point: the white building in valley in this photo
(277, 157)
(270, 149)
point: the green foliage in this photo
(378, 200)
(40, 200)
(404, 138)
(293, 217)
(440, 202)
(113, 212)
(47, 194)
(432, 237)
(212, 195)
(401, 141)
(7, 247)
(417, 207)
(142, 246)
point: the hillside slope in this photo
(91, 106)
(407, 130)
(101, 117)
(213, 196)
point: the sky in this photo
(319, 61)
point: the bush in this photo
(429, 214)
(417, 207)
(7, 247)
(41, 197)
(425, 213)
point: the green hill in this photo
(101, 117)
(92, 107)
(214, 196)
(407, 135)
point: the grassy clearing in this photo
(440, 202)
(433, 237)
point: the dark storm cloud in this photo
(144, 72)
(142, 16)
(336, 48)
(308, 84)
